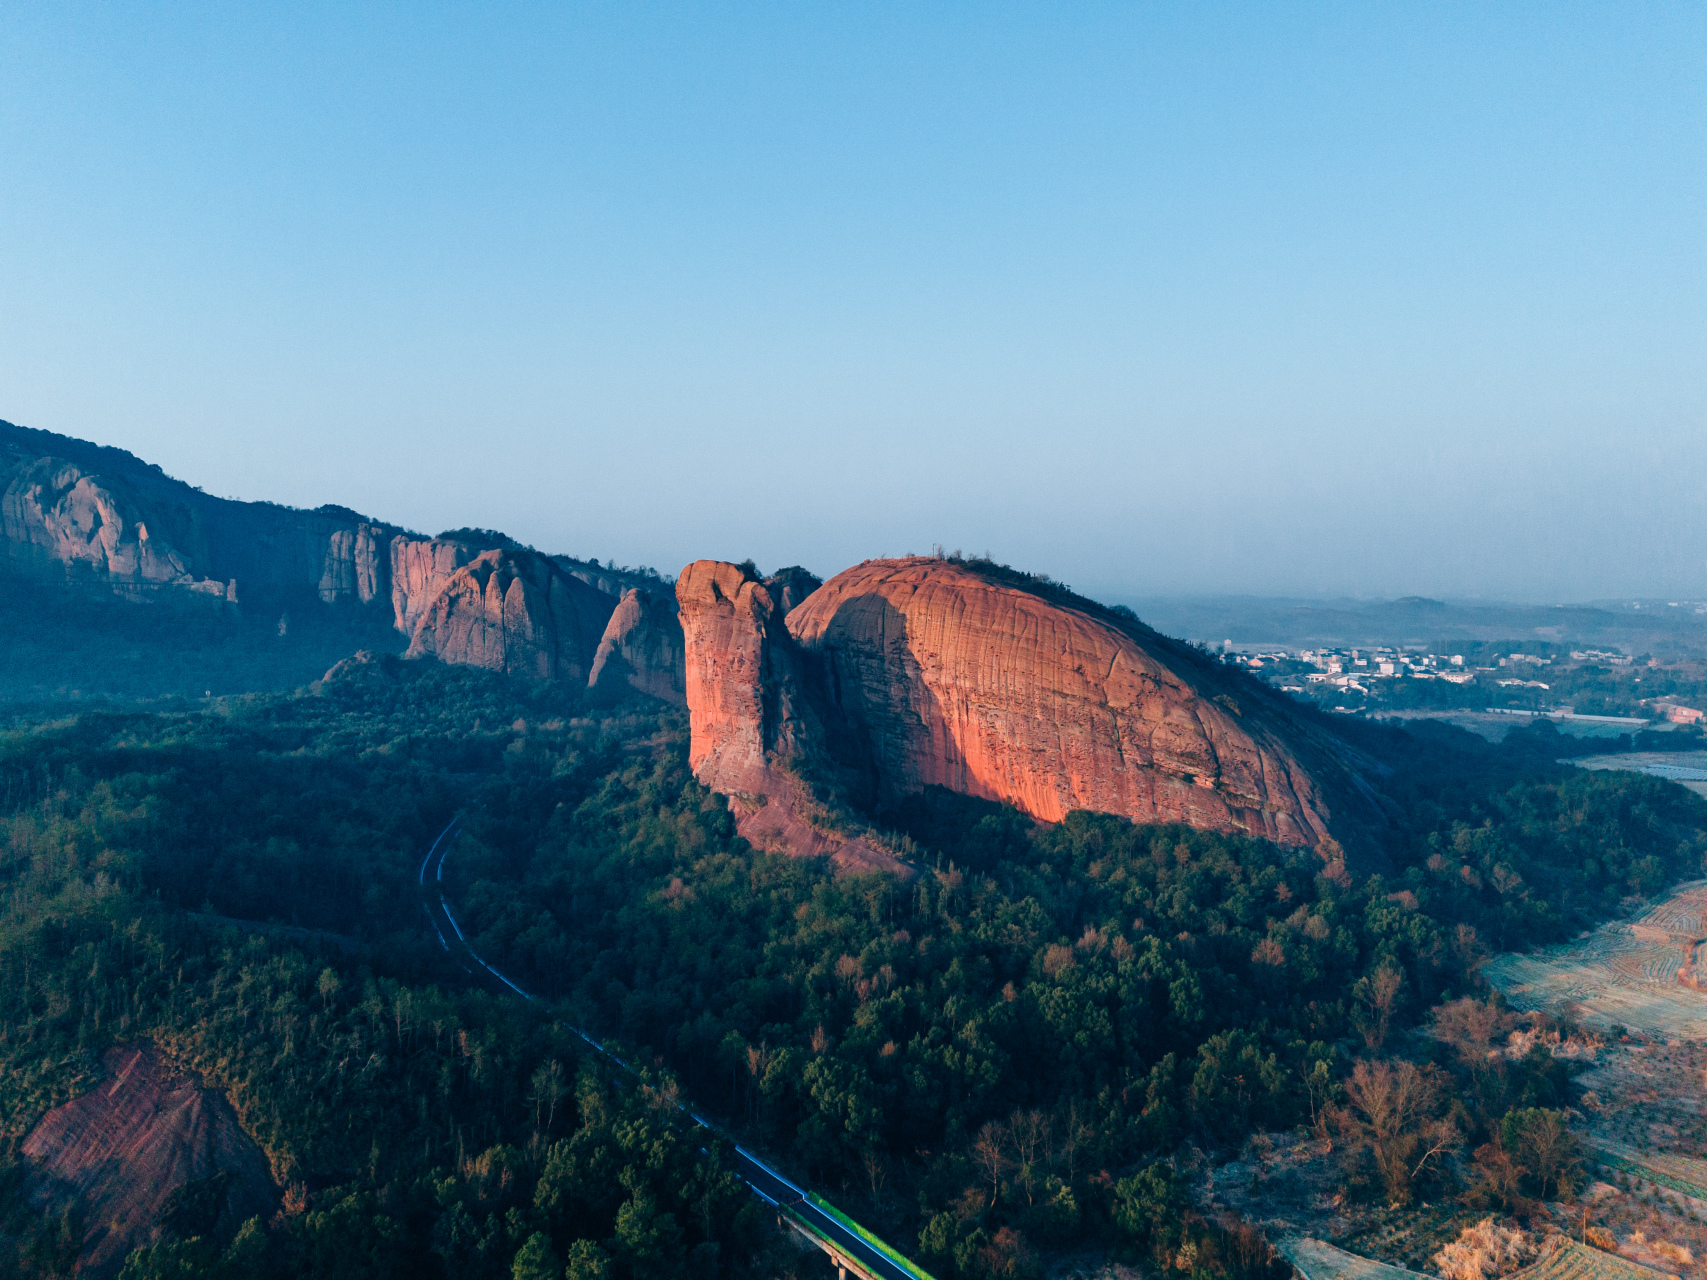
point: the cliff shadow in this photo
(869, 719)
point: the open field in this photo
(1319, 1260)
(1624, 974)
(1494, 725)
(1687, 768)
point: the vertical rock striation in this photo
(420, 569)
(512, 610)
(357, 565)
(642, 649)
(952, 679)
(755, 734)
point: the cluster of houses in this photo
(1352, 669)
(1349, 668)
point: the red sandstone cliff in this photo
(420, 570)
(512, 610)
(728, 625)
(642, 649)
(71, 509)
(751, 730)
(61, 513)
(955, 680)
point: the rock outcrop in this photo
(90, 524)
(512, 610)
(97, 516)
(420, 570)
(642, 649)
(357, 565)
(753, 730)
(123, 1150)
(737, 684)
(899, 675)
(949, 678)
(103, 516)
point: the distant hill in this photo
(119, 580)
(1634, 626)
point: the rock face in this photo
(420, 569)
(899, 675)
(513, 611)
(753, 729)
(788, 587)
(642, 648)
(950, 679)
(124, 1148)
(357, 565)
(99, 516)
(736, 677)
(64, 514)
(105, 517)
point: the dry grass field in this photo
(1624, 974)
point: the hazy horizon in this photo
(1171, 302)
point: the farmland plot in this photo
(1626, 973)
(1572, 1261)
(1319, 1260)
(1687, 768)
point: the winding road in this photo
(849, 1245)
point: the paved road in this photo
(765, 1182)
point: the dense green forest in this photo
(987, 1060)
(69, 643)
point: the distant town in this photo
(1587, 686)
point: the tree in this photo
(1538, 1139)
(536, 1260)
(587, 1262)
(1149, 1205)
(1394, 1109)
(990, 1156)
(1376, 995)
(546, 1090)
(1031, 1134)
(1468, 1025)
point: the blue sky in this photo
(1377, 299)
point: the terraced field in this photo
(1572, 1261)
(1626, 973)
(1684, 1174)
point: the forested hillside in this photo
(988, 1060)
